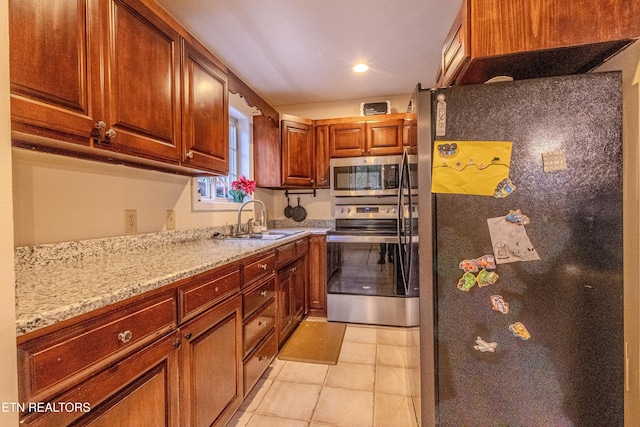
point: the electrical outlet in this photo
(171, 220)
(130, 221)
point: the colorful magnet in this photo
(499, 304)
(504, 188)
(487, 262)
(466, 282)
(483, 346)
(447, 150)
(486, 278)
(517, 217)
(519, 330)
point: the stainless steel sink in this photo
(265, 235)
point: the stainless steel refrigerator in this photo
(565, 366)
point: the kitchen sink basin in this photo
(265, 235)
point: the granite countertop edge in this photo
(50, 292)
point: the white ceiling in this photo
(302, 51)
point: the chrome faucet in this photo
(264, 209)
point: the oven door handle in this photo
(342, 238)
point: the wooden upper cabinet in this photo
(55, 87)
(385, 137)
(267, 153)
(205, 111)
(322, 156)
(347, 139)
(525, 39)
(370, 136)
(142, 83)
(298, 152)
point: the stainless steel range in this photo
(373, 264)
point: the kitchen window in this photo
(211, 193)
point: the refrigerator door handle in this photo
(404, 249)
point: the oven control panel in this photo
(382, 211)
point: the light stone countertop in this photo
(50, 291)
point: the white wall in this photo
(350, 108)
(8, 363)
(629, 62)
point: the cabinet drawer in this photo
(50, 363)
(259, 361)
(206, 291)
(257, 269)
(301, 246)
(285, 253)
(255, 298)
(259, 325)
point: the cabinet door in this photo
(211, 365)
(322, 156)
(142, 83)
(318, 275)
(205, 112)
(385, 137)
(298, 164)
(55, 87)
(267, 152)
(284, 319)
(140, 390)
(347, 139)
(298, 286)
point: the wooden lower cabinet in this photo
(317, 266)
(290, 292)
(140, 390)
(211, 370)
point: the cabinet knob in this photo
(101, 125)
(293, 269)
(188, 335)
(189, 154)
(262, 323)
(263, 293)
(176, 343)
(263, 266)
(110, 134)
(261, 358)
(125, 336)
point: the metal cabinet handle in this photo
(101, 126)
(263, 293)
(189, 154)
(125, 336)
(263, 266)
(293, 269)
(110, 134)
(261, 358)
(188, 335)
(262, 323)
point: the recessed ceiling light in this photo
(360, 68)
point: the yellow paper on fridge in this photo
(470, 167)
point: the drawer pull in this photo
(188, 336)
(293, 269)
(263, 293)
(263, 266)
(263, 323)
(125, 336)
(261, 358)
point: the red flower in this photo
(244, 185)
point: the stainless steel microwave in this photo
(368, 175)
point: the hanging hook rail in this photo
(288, 193)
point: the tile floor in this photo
(367, 387)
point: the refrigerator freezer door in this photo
(558, 358)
